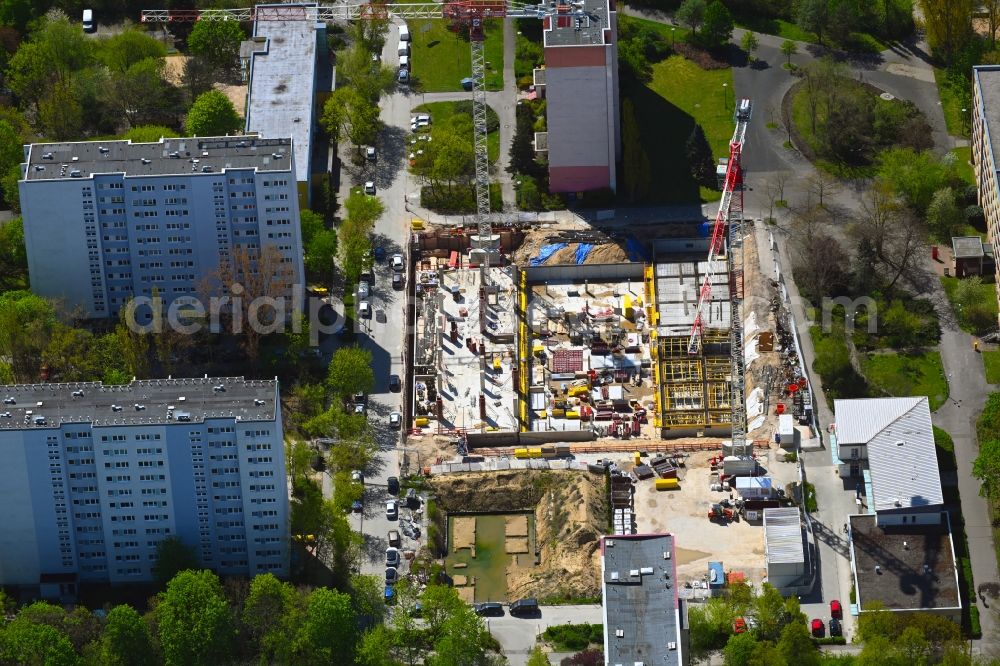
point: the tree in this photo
(218, 42)
(949, 26)
(59, 112)
(974, 311)
(368, 597)
(13, 254)
(986, 468)
(789, 48)
(463, 640)
(943, 214)
(813, 16)
(26, 325)
(273, 614)
(194, 621)
(538, 658)
(739, 649)
(328, 630)
(369, 34)
(376, 646)
(692, 14)
(25, 642)
(140, 92)
(125, 638)
(699, 155)
(769, 611)
(915, 176)
(992, 8)
(749, 44)
(17, 13)
(522, 149)
(321, 254)
(717, 29)
(67, 355)
(796, 645)
(172, 557)
(634, 157)
(198, 77)
(119, 52)
(212, 114)
(149, 134)
(348, 113)
(350, 372)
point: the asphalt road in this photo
(517, 635)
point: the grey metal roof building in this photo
(281, 98)
(642, 618)
(899, 438)
(784, 547)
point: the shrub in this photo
(573, 637)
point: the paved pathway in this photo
(517, 635)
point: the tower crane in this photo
(469, 12)
(729, 219)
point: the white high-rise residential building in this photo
(93, 477)
(108, 220)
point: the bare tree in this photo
(895, 236)
(823, 185)
(819, 260)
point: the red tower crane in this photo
(729, 220)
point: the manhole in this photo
(887, 96)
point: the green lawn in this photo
(987, 295)
(905, 374)
(991, 360)
(963, 162)
(667, 108)
(441, 111)
(953, 99)
(945, 450)
(441, 58)
(779, 27)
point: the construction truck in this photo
(719, 512)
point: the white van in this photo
(404, 62)
(88, 20)
(404, 49)
(404, 33)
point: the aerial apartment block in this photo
(986, 150)
(93, 477)
(105, 221)
(580, 84)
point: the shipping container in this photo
(520, 453)
(535, 453)
(573, 414)
(667, 484)
(420, 421)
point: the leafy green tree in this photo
(68, 355)
(915, 176)
(362, 209)
(212, 114)
(350, 372)
(310, 224)
(700, 159)
(769, 611)
(273, 613)
(634, 158)
(198, 77)
(368, 597)
(172, 557)
(691, 13)
(125, 638)
(11, 145)
(749, 44)
(739, 650)
(26, 324)
(943, 214)
(13, 254)
(463, 640)
(119, 52)
(328, 632)
(789, 48)
(320, 255)
(140, 92)
(348, 114)
(986, 468)
(438, 603)
(149, 133)
(812, 16)
(26, 642)
(538, 658)
(974, 312)
(17, 13)
(218, 42)
(194, 621)
(949, 26)
(376, 646)
(8, 184)
(369, 34)
(797, 647)
(717, 29)
(522, 149)
(59, 112)
(55, 50)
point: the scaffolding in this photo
(694, 390)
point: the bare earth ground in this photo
(516, 526)
(463, 533)
(516, 545)
(173, 73)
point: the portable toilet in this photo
(788, 435)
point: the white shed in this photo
(784, 548)
(788, 434)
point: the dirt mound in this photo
(571, 514)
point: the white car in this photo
(397, 262)
(365, 309)
(391, 510)
(370, 187)
(370, 153)
(423, 119)
(395, 420)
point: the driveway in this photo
(517, 635)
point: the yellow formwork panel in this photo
(718, 396)
(687, 397)
(674, 419)
(681, 370)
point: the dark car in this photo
(525, 608)
(393, 485)
(835, 628)
(490, 608)
(394, 383)
(817, 628)
(391, 576)
(398, 280)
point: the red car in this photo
(817, 628)
(836, 610)
(739, 626)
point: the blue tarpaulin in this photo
(636, 252)
(546, 252)
(582, 250)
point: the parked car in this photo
(391, 557)
(397, 262)
(489, 608)
(403, 76)
(398, 280)
(380, 253)
(365, 309)
(525, 607)
(393, 485)
(394, 383)
(370, 153)
(364, 289)
(835, 628)
(817, 628)
(391, 576)
(359, 408)
(836, 610)
(395, 420)
(391, 510)
(357, 506)
(370, 187)
(393, 538)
